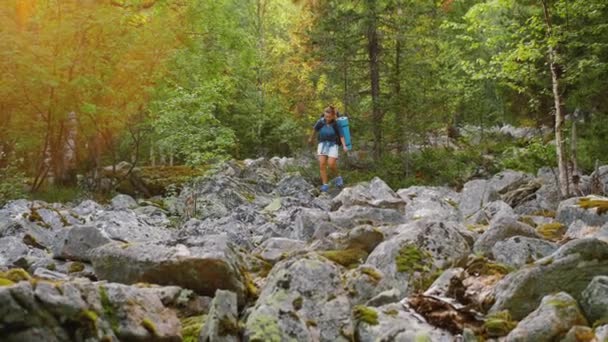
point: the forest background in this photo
(89, 83)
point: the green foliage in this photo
(536, 154)
(348, 258)
(58, 194)
(499, 324)
(191, 327)
(412, 259)
(12, 183)
(365, 314)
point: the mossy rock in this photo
(6, 282)
(365, 314)
(149, 326)
(348, 258)
(589, 203)
(499, 324)
(552, 231)
(76, 267)
(158, 178)
(374, 274)
(191, 327)
(412, 259)
(16, 275)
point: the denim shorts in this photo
(328, 148)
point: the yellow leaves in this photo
(23, 10)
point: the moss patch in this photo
(412, 259)
(109, 311)
(552, 231)
(527, 220)
(366, 314)
(191, 327)
(264, 328)
(348, 258)
(499, 324)
(600, 204)
(6, 282)
(374, 274)
(149, 326)
(228, 327)
(391, 312)
(90, 318)
(16, 275)
(297, 303)
(76, 267)
(545, 213)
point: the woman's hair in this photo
(330, 109)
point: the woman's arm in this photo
(344, 144)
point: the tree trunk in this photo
(373, 50)
(562, 160)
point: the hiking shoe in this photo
(324, 188)
(339, 182)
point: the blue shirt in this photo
(327, 132)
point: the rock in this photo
(570, 269)
(123, 202)
(579, 333)
(384, 298)
(595, 299)
(392, 322)
(363, 283)
(508, 180)
(579, 230)
(87, 208)
(490, 211)
(601, 174)
(204, 266)
(154, 215)
(295, 186)
(11, 250)
(303, 299)
(501, 229)
(357, 215)
(127, 226)
(475, 195)
(445, 285)
(375, 193)
(571, 210)
(83, 310)
(44, 273)
(274, 249)
(76, 243)
(601, 333)
(520, 250)
(551, 320)
(222, 323)
(431, 203)
(420, 248)
(308, 221)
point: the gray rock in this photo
(444, 285)
(274, 249)
(554, 317)
(127, 226)
(577, 333)
(303, 300)
(421, 245)
(571, 268)
(431, 203)
(475, 195)
(384, 298)
(308, 221)
(375, 194)
(520, 250)
(357, 215)
(601, 333)
(602, 174)
(579, 230)
(123, 202)
(204, 266)
(11, 250)
(491, 211)
(397, 324)
(295, 186)
(76, 243)
(87, 208)
(508, 180)
(501, 229)
(570, 211)
(595, 299)
(363, 283)
(222, 323)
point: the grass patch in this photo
(366, 314)
(499, 324)
(551, 231)
(412, 259)
(58, 194)
(589, 203)
(191, 327)
(348, 258)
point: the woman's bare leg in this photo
(323, 168)
(333, 167)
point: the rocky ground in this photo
(254, 253)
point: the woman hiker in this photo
(330, 138)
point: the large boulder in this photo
(501, 229)
(222, 323)
(571, 268)
(204, 265)
(275, 249)
(579, 230)
(308, 221)
(123, 202)
(419, 249)
(431, 203)
(295, 186)
(350, 217)
(520, 250)
(82, 310)
(602, 175)
(127, 226)
(508, 180)
(595, 299)
(76, 243)
(11, 250)
(475, 195)
(375, 194)
(489, 212)
(303, 300)
(554, 317)
(392, 322)
(591, 210)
